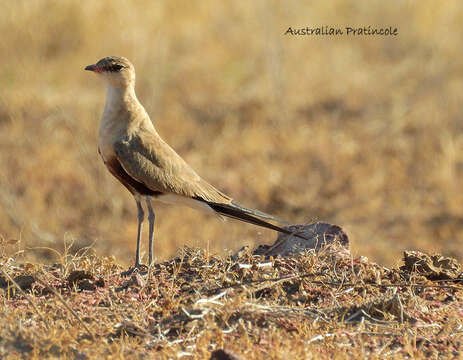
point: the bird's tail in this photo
(241, 213)
(258, 213)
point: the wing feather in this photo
(151, 161)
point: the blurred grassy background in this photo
(362, 132)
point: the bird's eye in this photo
(115, 67)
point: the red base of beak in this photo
(93, 68)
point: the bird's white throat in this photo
(117, 97)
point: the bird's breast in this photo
(106, 148)
(112, 128)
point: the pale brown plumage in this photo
(149, 160)
(145, 164)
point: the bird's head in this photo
(116, 71)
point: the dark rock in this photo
(3, 282)
(224, 355)
(100, 282)
(78, 275)
(22, 344)
(319, 236)
(86, 285)
(24, 281)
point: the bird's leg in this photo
(141, 217)
(151, 218)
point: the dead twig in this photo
(333, 283)
(58, 295)
(16, 285)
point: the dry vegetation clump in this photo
(361, 132)
(325, 306)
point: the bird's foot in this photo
(138, 268)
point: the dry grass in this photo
(365, 133)
(299, 308)
(361, 132)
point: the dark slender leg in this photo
(151, 218)
(141, 217)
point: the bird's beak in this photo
(92, 67)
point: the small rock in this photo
(22, 344)
(82, 279)
(224, 355)
(135, 281)
(3, 282)
(100, 282)
(78, 275)
(128, 328)
(434, 267)
(319, 236)
(86, 285)
(24, 281)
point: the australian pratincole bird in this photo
(146, 165)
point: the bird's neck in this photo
(122, 112)
(118, 98)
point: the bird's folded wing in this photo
(150, 160)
